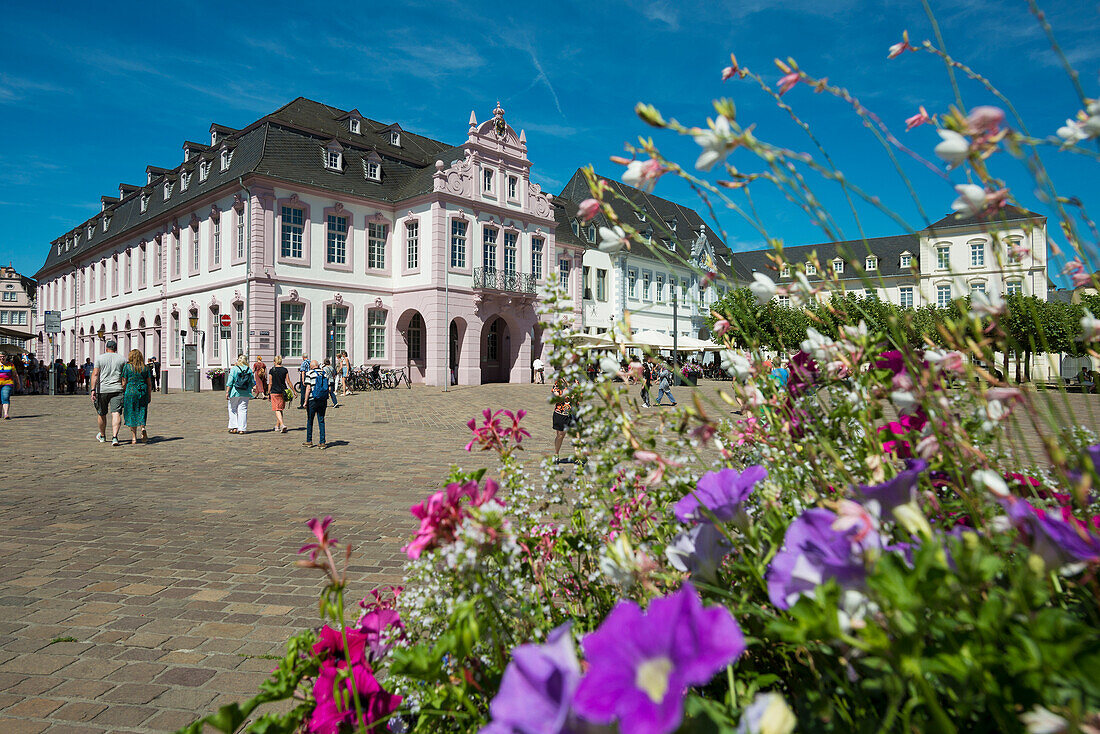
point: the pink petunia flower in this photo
(441, 514)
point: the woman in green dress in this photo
(137, 378)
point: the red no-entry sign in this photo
(227, 320)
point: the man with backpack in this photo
(317, 387)
(647, 380)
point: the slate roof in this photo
(888, 250)
(688, 221)
(996, 217)
(286, 145)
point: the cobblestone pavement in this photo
(141, 586)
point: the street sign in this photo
(53, 322)
(226, 320)
(226, 334)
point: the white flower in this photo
(992, 414)
(610, 366)
(954, 148)
(767, 714)
(643, 174)
(903, 400)
(735, 365)
(1071, 133)
(990, 480)
(1090, 325)
(612, 239)
(971, 201)
(621, 561)
(910, 517)
(817, 345)
(852, 610)
(717, 142)
(986, 304)
(856, 332)
(762, 287)
(1041, 721)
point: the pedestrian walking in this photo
(664, 385)
(540, 370)
(280, 392)
(564, 419)
(318, 385)
(344, 365)
(107, 391)
(154, 369)
(9, 383)
(87, 368)
(71, 371)
(137, 380)
(303, 368)
(238, 391)
(330, 373)
(647, 380)
(259, 373)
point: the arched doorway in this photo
(157, 340)
(412, 347)
(496, 351)
(454, 342)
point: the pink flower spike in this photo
(1072, 266)
(899, 48)
(1081, 278)
(721, 326)
(788, 81)
(588, 209)
(918, 119)
(732, 70)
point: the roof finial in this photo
(498, 112)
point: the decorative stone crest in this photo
(293, 295)
(215, 212)
(193, 307)
(237, 297)
(238, 203)
(339, 298)
(338, 206)
(194, 223)
(378, 218)
(539, 202)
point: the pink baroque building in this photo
(316, 231)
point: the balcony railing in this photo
(504, 280)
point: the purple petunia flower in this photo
(721, 492)
(641, 665)
(699, 551)
(536, 692)
(813, 552)
(1058, 542)
(893, 493)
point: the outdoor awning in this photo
(16, 334)
(653, 339)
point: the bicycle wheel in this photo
(408, 382)
(389, 380)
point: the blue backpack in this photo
(243, 380)
(320, 386)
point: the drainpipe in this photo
(248, 268)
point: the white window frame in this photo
(906, 260)
(509, 251)
(185, 181)
(943, 257)
(412, 244)
(838, 265)
(287, 232)
(291, 341)
(659, 287)
(784, 301)
(227, 159)
(106, 223)
(489, 247)
(487, 177)
(204, 170)
(374, 171)
(978, 286)
(647, 279)
(395, 138)
(590, 233)
(167, 190)
(376, 246)
(811, 269)
(871, 263)
(460, 230)
(601, 284)
(242, 246)
(785, 271)
(903, 291)
(1014, 287)
(334, 159)
(336, 239)
(376, 334)
(353, 125)
(632, 283)
(216, 235)
(513, 188)
(940, 290)
(977, 254)
(537, 246)
(144, 202)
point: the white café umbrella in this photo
(652, 339)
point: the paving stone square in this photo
(141, 586)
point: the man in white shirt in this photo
(107, 390)
(536, 365)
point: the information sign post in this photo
(226, 321)
(51, 326)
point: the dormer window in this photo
(785, 271)
(144, 202)
(91, 229)
(58, 250)
(395, 138)
(590, 233)
(167, 190)
(642, 213)
(76, 241)
(204, 170)
(811, 269)
(672, 224)
(576, 227)
(353, 125)
(871, 263)
(671, 245)
(185, 180)
(374, 171)
(649, 236)
(906, 260)
(333, 159)
(838, 265)
(106, 222)
(227, 158)
(213, 137)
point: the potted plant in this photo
(217, 377)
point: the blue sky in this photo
(88, 98)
